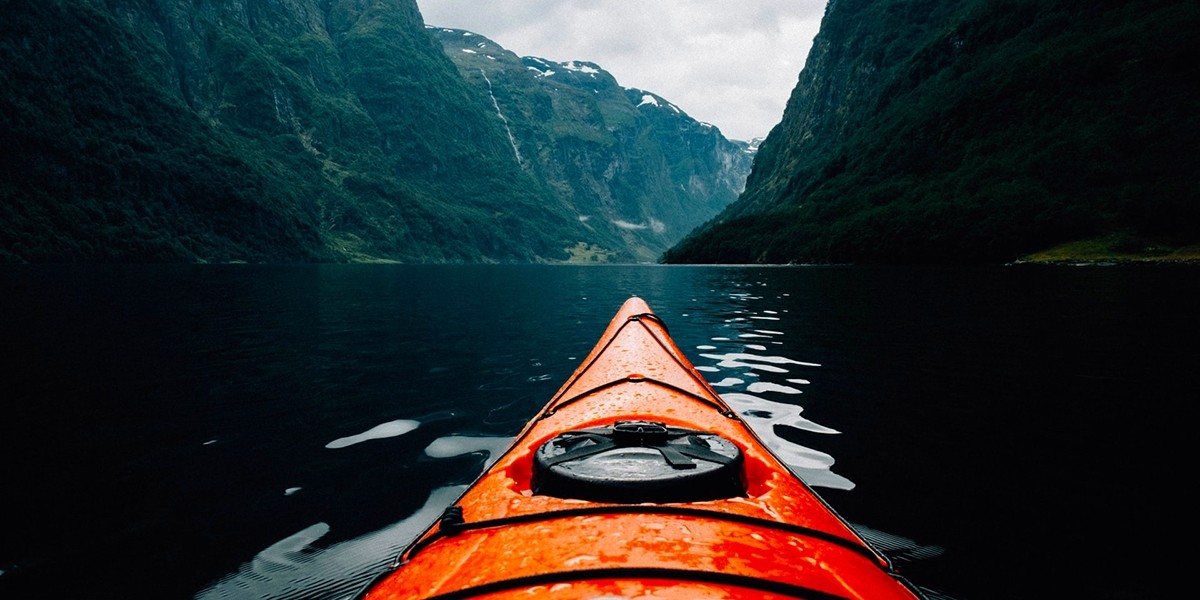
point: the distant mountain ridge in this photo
(634, 168)
(976, 132)
(318, 131)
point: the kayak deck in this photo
(771, 538)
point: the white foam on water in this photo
(763, 415)
(459, 445)
(728, 382)
(769, 414)
(747, 360)
(381, 431)
(759, 387)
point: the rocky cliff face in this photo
(974, 132)
(634, 169)
(316, 130)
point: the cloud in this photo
(732, 64)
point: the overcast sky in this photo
(731, 64)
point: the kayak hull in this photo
(774, 538)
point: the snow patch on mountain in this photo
(541, 66)
(582, 67)
(649, 99)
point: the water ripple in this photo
(295, 565)
(748, 375)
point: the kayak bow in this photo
(636, 480)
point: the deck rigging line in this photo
(715, 401)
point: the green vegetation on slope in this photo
(98, 164)
(1114, 248)
(298, 131)
(975, 132)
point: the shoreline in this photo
(1107, 252)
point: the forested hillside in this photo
(294, 131)
(289, 131)
(964, 132)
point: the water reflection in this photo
(381, 431)
(761, 386)
(298, 564)
(461, 445)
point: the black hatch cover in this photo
(638, 461)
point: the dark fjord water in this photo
(281, 432)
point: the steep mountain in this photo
(634, 168)
(254, 130)
(943, 131)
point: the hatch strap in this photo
(723, 409)
(641, 434)
(678, 460)
(640, 319)
(650, 317)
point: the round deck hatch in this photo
(638, 461)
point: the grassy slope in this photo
(1116, 248)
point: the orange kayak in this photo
(636, 480)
